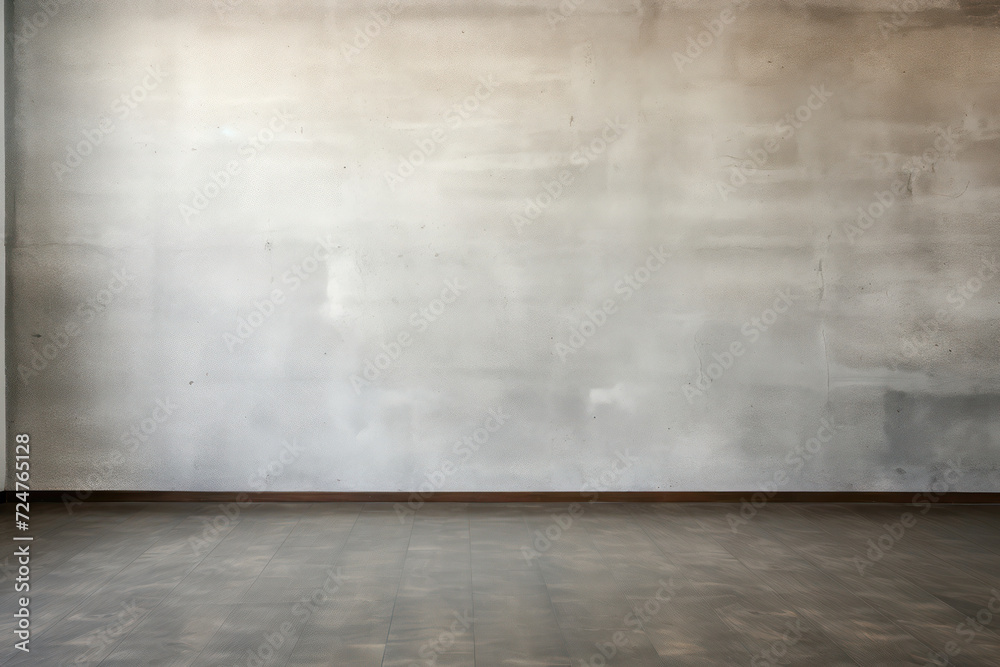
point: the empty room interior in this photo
(501, 333)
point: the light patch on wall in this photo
(619, 396)
(343, 285)
(392, 430)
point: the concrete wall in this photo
(255, 247)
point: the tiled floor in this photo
(361, 585)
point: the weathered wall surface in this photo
(642, 246)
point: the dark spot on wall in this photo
(981, 12)
(650, 13)
(830, 14)
(928, 429)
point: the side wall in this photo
(7, 217)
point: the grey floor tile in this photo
(732, 596)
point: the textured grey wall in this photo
(507, 245)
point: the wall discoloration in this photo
(925, 428)
(983, 12)
(336, 181)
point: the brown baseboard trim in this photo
(896, 497)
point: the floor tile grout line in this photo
(472, 587)
(62, 522)
(233, 605)
(548, 593)
(777, 593)
(612, 576)
(516, 519)
(158, 604)
(833, 576)
(652, 516)
(395, 597)
(430, 522)
(297, 522)
(89, 544)
(284, 539)
(916, 584)
(333, 565)
(90, 595)
(944, 527)
(922, 553)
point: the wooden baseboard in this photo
(896, 497)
